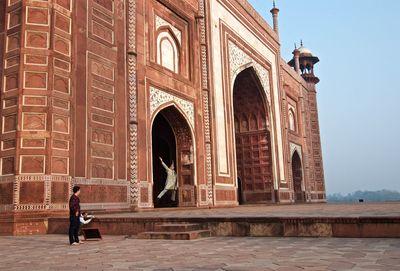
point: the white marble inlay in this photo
(161, 22)
(159, 97)
(239, 60)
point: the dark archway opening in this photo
(253, 141)
(297, 175)
(173, 141)
(164, 146)
(240, 191)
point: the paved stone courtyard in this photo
(51, 252)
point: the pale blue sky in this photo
(358, 43)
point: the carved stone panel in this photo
(60, 165)
(6, 193)
(60, 124)
(9, 123)
(7, 165)
(31, 192)
(35, 80)
(14, 18)
(13, 42)
(37, 16)
(37, 40)
(34, 121)
(59, 192)
(10, 82)
(32, 164)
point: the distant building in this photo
(93, 92)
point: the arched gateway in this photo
(253, 140)
(172, 140)
(297, 176)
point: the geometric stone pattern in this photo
(159, 97)
(206, 103)
(239, 60)
(132, 85)
(119, 252)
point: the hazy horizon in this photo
(358, 45)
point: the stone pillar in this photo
(132, 59)
(316, 153)
(36, 103)
(206, 191)
(296, 54)
(275, 11)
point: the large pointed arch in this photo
(297, 176)
(253, 146)
(170, 116)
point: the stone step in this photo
(181, 227)
(187, 235)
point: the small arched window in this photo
(292, 120)
(167, 51)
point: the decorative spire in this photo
(275, 12)
(295, 46)
(301, 43)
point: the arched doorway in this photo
(172, 140)
(297, 176)
(164, 146)
(253, 140)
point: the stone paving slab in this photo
(297, 210)
(51, 252)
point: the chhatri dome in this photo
(304, 51)
(303, 62)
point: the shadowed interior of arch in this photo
(253, 144)
(297, 177)
(164, 146)
(172, 141)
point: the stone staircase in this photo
(178, 231)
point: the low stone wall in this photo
(364, 227)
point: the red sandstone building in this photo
(94, 91)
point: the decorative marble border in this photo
(149, 187)
(239, 60)
(48, 180)
(159, 97)
(206, 102)
(132, 86)
(99, 182)
(295, 147)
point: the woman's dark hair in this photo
(76, 189)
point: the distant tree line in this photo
(367, 196)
